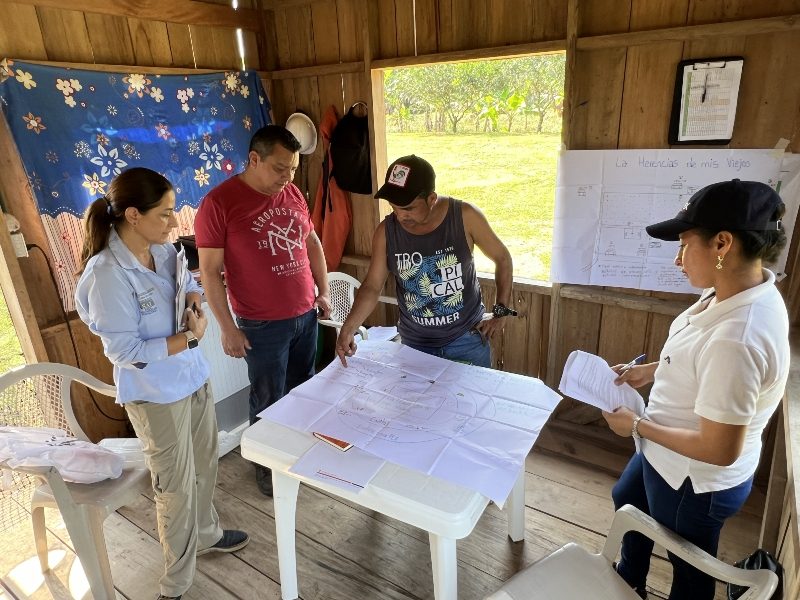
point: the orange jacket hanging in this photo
(332, 214)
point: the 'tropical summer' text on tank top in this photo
(437, 288)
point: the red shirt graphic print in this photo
(267, 271)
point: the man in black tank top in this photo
(426, 243)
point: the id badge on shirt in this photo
(147, 304)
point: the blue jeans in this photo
(470, 348)
(695, 517)
(281, 357)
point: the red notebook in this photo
(339, 444)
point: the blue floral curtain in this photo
(77, 129)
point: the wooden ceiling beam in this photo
(691, 32)
(315, 70)
(510, 51)
(280, 4)
(186, 12)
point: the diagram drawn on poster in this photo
(606, 198)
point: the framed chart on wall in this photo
(704, 101)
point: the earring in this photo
(719, 262)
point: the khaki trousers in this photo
(180, 447)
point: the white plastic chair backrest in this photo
(40, 395)
(343, 288)
(761, 583)
(37, 395)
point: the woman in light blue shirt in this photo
(126, 295)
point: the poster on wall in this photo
(606, 198)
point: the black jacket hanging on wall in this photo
(350, 153)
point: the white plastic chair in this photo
(343, 288)
(39, 395)
(571, 572)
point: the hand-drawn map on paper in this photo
(469, 425)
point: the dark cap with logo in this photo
(406, 179)
(726, 206)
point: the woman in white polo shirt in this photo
(126, 295)
(719, 379)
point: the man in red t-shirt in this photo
(256, 227)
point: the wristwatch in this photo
(501, 310)
(191, 339)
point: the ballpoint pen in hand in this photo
(636, 361)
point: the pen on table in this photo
(636, 361)
(325, 474)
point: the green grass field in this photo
(10, 352)
(510, 177)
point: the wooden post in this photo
(776, 489)
(573, 25)
(18, 300)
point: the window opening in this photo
(492, 131)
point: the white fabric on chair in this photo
(130, 450)
(76, 461)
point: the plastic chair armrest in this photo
(629, 518)
(335, 324)
(329, 323)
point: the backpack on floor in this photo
(760, 559)
(350, 153)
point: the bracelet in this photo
(635, 429)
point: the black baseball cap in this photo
(406, 179)
(726, 206)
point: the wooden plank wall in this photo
(621, 98)
(780, 531)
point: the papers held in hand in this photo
(180, 289)
(338, 444)
(588, 378)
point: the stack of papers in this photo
(588, 378)
(181, 265)
(325, 463)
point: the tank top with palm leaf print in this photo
(437, 288)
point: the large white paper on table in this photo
(350, 470)
(468, 425)
(588, 378)
(380, 333)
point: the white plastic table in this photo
(448, 512)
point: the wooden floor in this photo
(345, 552)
